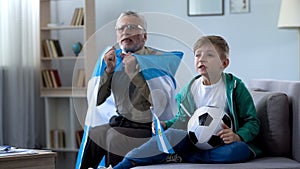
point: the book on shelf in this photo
(74, 16)
(46, 79)
(77, 22)
(78, 17)
(46, 49)
(55, 78)
(79, 135)
(51, 78)
(80, 81)
(57, 138)
(58, 47)
(52, 48)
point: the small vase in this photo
(77, 46)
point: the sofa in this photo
(278, 106)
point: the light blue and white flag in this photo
(162, 141)
(158, 70)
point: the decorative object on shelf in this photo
(289, 18)
(239, 6)
(205, 7)
(77, 46)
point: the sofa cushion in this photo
(261, 163)
(273, 111)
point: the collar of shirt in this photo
(144, 51)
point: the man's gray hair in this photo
(131, 13)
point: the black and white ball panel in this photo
(203, 126)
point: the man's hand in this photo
(129, 63)
(110, 60)
(228, 135)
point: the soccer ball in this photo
(203, 126)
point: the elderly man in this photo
(123, 78)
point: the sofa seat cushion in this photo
(261, 163)
(273, 112)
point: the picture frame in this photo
(239, 6)
(205, 7)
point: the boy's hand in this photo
(163, 125)
(227, 135)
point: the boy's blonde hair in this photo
(217, 41)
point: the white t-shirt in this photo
(211, 95)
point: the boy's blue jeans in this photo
(186, 152)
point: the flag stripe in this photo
(82, 147)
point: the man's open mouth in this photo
(126, 40)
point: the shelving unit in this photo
(64, 104)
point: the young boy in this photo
(212, 87)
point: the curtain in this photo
(21, 116)
(1, 104)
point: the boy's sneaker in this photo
(173, 158)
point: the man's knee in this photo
(98, 135)
(118, 142)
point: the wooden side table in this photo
(39, 160)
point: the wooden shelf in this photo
(64, 105)
(63, 92)
(63, 27)
(63, 58)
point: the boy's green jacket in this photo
(240, 103)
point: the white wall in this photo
(258, 48)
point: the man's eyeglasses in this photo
(129, 27)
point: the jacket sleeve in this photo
(181, 117)
(248, 121)
(170, 122)
(104, 87)
(140, 83)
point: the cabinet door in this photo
(62, 123)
